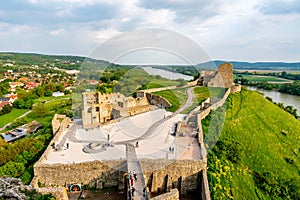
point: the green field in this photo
(176, 97)
(9, 117)
(259, 78)
(258, 153)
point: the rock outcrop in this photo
(11, 188)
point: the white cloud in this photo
(57, 32)
(243, 30)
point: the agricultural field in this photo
(260, 78)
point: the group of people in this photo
(132, 178)
(171, 150)
(58, 147)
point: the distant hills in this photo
(253, 66)
(32, 58)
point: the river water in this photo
(166, 74)
(286, 99)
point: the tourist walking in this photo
(131, 181)
(134, 175)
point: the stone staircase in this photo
(133, 165)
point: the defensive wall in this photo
(172, 195)
(161, 175)
(158, 100)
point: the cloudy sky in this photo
(262, 30)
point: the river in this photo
(166, 74)
(286, 99)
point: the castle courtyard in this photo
(107, 142)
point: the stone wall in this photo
(163, 175)
(99, 108)
(60, 122)
(94, 173)
(236, 88)
(60, 193)
(60, 127)
(204, 113)
(172, 195)
(158, 100)
(225, 70)
(223, 77)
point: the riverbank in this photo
(279, 97)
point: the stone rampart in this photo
(60, 127)
(163, 175)
(172, 195)
(59, 122)
(102, 174)
(158, 100)
(236, 88)
(205, 113)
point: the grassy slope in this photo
(176, 97)
(256, 127)
(9, 117)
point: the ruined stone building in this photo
(99, 108)
(223, 77)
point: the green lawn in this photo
(9, 117)
(176, 97)
(258, 153)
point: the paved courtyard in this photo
(154, 146)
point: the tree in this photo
(48, 93)
(60, 87)
(40, 110)
(40, 91)
(19, 103)
(283, 74)
(6, 109)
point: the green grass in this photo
(176, 97)
(161, 83)
(44, 99)
(258, 153)
(258, 78)
(57, 102)
(203, 93)
(9, 117)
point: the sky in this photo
(264, 30)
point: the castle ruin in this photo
(99, 108)
(223, 77)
